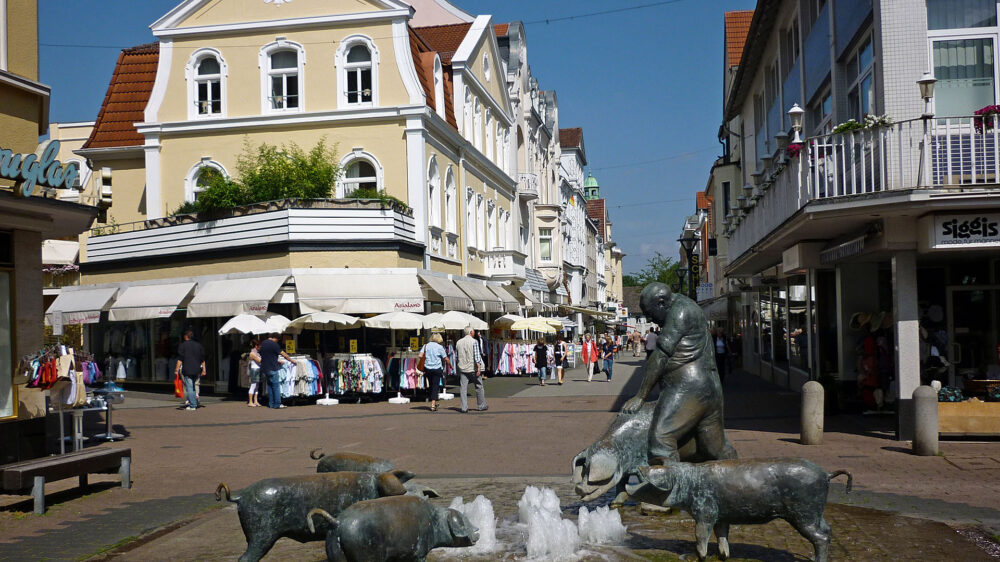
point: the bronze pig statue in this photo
(393, 529)
(719, 493)
(276, 507)
(355, 462)
(618, 454)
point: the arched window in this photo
(468, 114)
(205, 73)
(491, 226)
(489, 135)
(197, 179)
(499, 142)
(506, 153)
(360, 171)
(480, 222)
(477, 133)
(450, 202)
(438, 87)
(470, 218)
(282, 66)
(434, 192)
(357, 59)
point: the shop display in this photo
(357, 373)
(515, 357)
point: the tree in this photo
(659, 268)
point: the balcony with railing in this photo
(527, 186)
(946, 153)
(505, 264)
(290, 221)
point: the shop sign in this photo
(354, 346)
(414, 344)
(290, 347)
(409, 305)
(39, 169)
(967, 230)
(256, 308)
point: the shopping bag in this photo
(178, 386)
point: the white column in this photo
(415, 187)
(154, 197)
(906, 317)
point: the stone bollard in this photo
(925, 419)
(812, 413)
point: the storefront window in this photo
(779, 327)
(798, 325)
(765, 325)
(6, 355)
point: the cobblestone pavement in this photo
(529, 435)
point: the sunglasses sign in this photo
(40, 169)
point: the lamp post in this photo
(688, 243)
(795, 114)
(926, 85)
(681, 274)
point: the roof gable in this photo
(445, 39)
(737, 27)
(125, 101)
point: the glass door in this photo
(972, 331)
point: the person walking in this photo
(636, 340)
(470, 367)
(254, 373)
(541, 360)
(650, 342)
(590, 356)
(559, 358)
(269, 353)
(191, 366)
(608, 354)
(721, 352)
(435, 358)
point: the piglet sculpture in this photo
(355, 462)
(719, 493)
(276, 507)
(397, 529)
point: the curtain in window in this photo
(964, 72)
(958, 14)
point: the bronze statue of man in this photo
(683, 364)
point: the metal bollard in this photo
(925, 419)
(812, 413)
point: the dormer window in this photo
(438, 87)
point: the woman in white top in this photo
(254, 373)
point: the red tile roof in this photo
(126, 98)
(501, 29)
(597, 211)
(703, 201)
(423, 59)
(571, 138)
(737, 27)
(445, 39)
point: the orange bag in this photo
(178, 386)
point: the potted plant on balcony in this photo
(985, 118)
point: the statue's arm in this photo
(671, 334)
(654, 369)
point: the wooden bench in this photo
(29, 477)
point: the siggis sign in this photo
(40, 169)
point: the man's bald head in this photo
(655, 301)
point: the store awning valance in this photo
(149, 301)
(60, 252)
(79, 307)
(348, 293)
(453, 297)
(231, 297)
(590, 311)
(716, 309)
(510, 304)
(483, 299)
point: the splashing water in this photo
(601, 526)
(480, 513)
(549, 535)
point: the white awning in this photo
(483, 299)
(79, 307)
(149, 301)
(348, 293)
(510, 304)
(453, 297)
(60, 252)
(231, 297)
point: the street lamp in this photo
(688, 243)
(681, 274)
(926, 84)
(795, 114)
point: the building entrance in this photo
(972, 332)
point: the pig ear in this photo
(659, 477)
(644, 472)
(403, 475)
(457, 525)
(389, 485)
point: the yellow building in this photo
(26, 219)
(420, 113)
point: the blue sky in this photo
(645, 85)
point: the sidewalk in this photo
(529, 435)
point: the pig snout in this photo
(595, 474)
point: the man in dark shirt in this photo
(191, 366)
(269, 353)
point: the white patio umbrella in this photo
(453, 320)
(266, 323)
(536, 324)
(506, 320)
(396, 321)
(323, 321)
